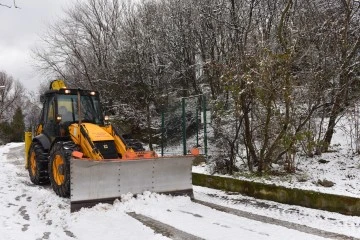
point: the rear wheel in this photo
(59, 167)
(37, 164)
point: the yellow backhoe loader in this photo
(86, 159)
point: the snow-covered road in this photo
(35, 212)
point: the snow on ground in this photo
(202, 221)
(35, 212)
(327, 221)
(340, 166)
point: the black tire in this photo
(38, 161)
(59, 167)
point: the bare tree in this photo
(32, 109)
(274, 69)
(10, 5)
(11, 99)
(347, 42)
(11, 96)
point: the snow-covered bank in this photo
(340, 166)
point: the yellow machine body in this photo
(28, 139)
(102, 164)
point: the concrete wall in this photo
(293, 196)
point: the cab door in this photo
(49, 118)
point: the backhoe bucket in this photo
(104, 181)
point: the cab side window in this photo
(49, 118)
(51, 112)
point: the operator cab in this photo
(68, 110)
(61, 109)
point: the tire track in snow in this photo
(162, 228)
(295, 226)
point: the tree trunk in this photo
(335, 111)
(248, 134)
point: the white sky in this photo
(19, 33)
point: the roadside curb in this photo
(293, 196)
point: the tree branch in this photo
(10, 6)
(4, 5)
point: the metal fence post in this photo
(205, 122)
(197, 126)
(183, 125)
(162, 132)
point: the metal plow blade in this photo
(93, 182)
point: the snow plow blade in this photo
(104, 181)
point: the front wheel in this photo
(59, 167)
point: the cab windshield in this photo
(90, 109)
